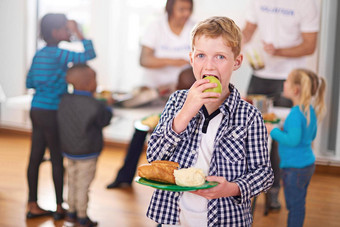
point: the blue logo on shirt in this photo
(277, 10)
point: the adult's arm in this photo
(149, 60)
(248, 32)
(307, 47)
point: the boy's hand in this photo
(73, 27)
(195, 100)
(223, 189)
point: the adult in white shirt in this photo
(166, 46)
(288, 30)
(165, 55)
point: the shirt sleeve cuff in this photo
(245, 193)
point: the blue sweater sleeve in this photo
(66, 56)
(292, 132)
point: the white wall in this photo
(12, 46)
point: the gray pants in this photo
(80, 175)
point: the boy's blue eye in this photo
(200, 55)
(220, 57)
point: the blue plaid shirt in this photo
(240, 155)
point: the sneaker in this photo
(70, 219)
(86, 222)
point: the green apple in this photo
(213, 79)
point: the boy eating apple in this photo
(217, 132)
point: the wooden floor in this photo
(127, 207)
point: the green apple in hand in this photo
(213, 79)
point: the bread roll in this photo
(189, 177)
(160, 170)
(269, 117)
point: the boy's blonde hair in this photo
(312, 91)
(214, 27)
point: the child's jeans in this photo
(295, 183)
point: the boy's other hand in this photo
(223, 189)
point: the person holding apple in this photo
(165, 58)
(214, 130)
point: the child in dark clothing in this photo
(47, 77)
(81, 119)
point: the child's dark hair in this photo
(49, 22)
(169, 7)
(79, 77)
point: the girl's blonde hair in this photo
(214, 27)
(312, 92)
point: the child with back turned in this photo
(81, 119)
(217, 132)
(47, 77)
(307, 92)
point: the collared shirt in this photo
(240, 155)
(48, 70)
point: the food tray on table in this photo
(173, 187)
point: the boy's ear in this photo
(54, 33)
(191, 58)
(238, 62)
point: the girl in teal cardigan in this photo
(297, 159)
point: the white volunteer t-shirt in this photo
(281, 23)
(166, 44)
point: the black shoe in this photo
(58, 216)
(116, 184)
(86, 222)
(30, 215)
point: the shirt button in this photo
(196, 131)
(177, 139)
(194, 152)
(176, 194)
(235, 135)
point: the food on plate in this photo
(269, 117)
(151, 121)
(189, 177)
(160, 170)
(105, 94)
(213, 79)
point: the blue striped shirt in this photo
(240, 155)
(48, 70)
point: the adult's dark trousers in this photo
(45, 135)
(273, 89)
(135, 149)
